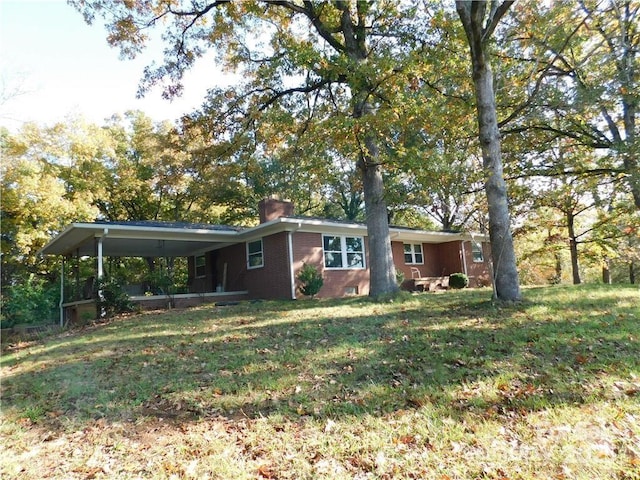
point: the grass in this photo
(447, 386)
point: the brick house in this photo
(262, 262)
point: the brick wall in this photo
(272, 208)
(307, 248)
(235, 256)
(478, 272)
(449, 258)
(269, 281)
(273, 279)
(430, 267)
(209, 281)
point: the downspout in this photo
(100, 240)
(100, 269)
(464, 258)
(61, 293)
(290, 252)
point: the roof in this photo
(139, 239)
(162, 224)
(179, 239)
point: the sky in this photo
(53, 65)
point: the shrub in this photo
(113, 298)
(458, 280)
(310, 279)
(31, 301)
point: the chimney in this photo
(271, 208)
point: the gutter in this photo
(60, 305)
(290, 252)
(464, 258)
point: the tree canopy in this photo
(372, 111)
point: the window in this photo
(343, 252)
(201, 266)
(476, 250)
(255, 257)
(351, 290)
(413, 254)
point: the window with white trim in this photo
(255, 256)
(200, 266)
(413, 254)
(343, 252)
(476, 251)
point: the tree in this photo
(346, 53)
(479, 25)
(590, 94)
(36, 202)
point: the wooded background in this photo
(362, 111)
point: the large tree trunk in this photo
(504, 260)
(381, 267)
(505, 272)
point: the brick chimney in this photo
(271, 208)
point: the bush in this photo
(32, 301)
(310, 279)
(113, 298)
(458, 280)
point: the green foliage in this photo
(31, 301)
(112, 298)
(311, 280)
(458, 280)
(160, 283)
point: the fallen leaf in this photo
(581, 359)
(405, 440)
(267, 471)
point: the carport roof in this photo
(139, 239)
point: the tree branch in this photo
(497, 12)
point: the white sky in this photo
(61, 66)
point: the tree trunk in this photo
(557, 279)
(573, 249)
(382, 274)
(382, 270)
(503, 255)
(472, 15)
(632, 273)
(606, 272)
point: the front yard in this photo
(441, 386)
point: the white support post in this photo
(464, 258)
(100, 267)
(292, 270)
(61, 293)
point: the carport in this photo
(136, 239)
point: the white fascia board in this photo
(285, 224)
(169, 233)
(425, 236)
(77, 234)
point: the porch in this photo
(79, 311)
(87, 249)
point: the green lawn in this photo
(440, 386)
